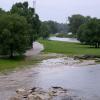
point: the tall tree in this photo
(32, 18)
(55, 27)
(2, 11)
(13, 34)
(52, 26)
(89, 33)
(75, 21)
(44, 30)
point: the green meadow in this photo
(68, 48)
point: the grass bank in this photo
(16, 63)
(68, 48)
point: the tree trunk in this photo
(11, 52)
(97, 45)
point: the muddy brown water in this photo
(82, 81)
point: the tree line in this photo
(53, 27)
(19, 27)
(86, 29)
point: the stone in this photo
(33, 89)
(86, 57)
(57, 87)
(54, 93)
(15, 98)
(30, 97)
(45, 96)
(57, 91)
(22, 92)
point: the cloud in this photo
(59, 10)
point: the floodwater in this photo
(82, 81)
(37, 48)
(64, 39)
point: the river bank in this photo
(68, 48)
(19, 62)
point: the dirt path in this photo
(37, 48)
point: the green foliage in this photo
(75, 21)
(13, 34)
(52, 25)
(89, 33)
(44, 31)
(55, 27)
(1, 11)
(68, 48)
(19, 27)
(32, 18)
(17, 62)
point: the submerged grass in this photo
(15, 63)
(68, 48)
(8, 65)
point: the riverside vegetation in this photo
(19, 27)
(68, 48)
(15, 63)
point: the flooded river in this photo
(82, 81)
(64, 39)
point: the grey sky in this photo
(59, 10)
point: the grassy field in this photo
(18, 62)
(68, 48)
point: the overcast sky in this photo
(59, 10)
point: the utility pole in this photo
(34, 4)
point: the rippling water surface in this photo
(83, 81)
